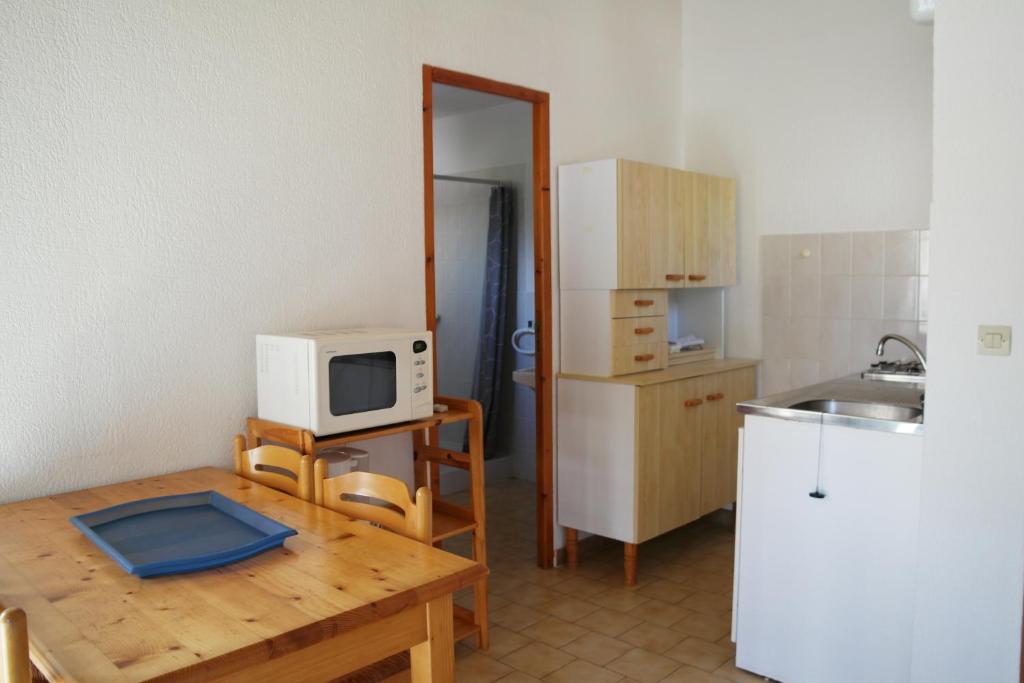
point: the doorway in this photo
(488, 271)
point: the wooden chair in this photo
(15, 666)
(347, 493)
(277, 467)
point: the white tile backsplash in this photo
(899, 299)
(868, 253)
(824, 313)
(837, 253)
(901, 252)
(866, 297)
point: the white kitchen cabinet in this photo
(825, 586)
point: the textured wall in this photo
(971, 564)
(822, 111)
(178, 177)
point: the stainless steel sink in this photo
(869, 410)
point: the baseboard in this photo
(454, 480)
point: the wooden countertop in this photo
(675, 372)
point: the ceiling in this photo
(449, 100)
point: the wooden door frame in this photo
(541, 264)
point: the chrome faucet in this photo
(906, 342)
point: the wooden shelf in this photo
(435, 420)
(464, 625)
(447, 524)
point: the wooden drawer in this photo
(639, 358)
(645, 330)
(633, 303)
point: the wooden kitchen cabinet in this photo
(629, 225)
(643, 454)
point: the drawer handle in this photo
(674, 277)
(693, 402)
(697, 278)
(643, 357)
(716, 397)
(641, 303)
(644, 330)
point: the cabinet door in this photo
(696, 192)
(867, 555)
(680, 197)
(777, 549)
(668, 455)
(721, 429)
(643, 225)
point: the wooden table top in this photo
(90, 621)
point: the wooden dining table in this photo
(338, 596)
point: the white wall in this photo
(821, 109)
(968, 625)
(179, 177)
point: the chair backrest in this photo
(411, 518)
(277, 467)
(14, 667)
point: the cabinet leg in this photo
(571, 548)
(630, 563)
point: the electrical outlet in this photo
(994, 340)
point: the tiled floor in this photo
(559, 625)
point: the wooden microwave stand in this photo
(449, 519)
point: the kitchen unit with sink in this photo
(829, 486)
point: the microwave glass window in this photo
(363, 382)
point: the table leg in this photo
(630, 564)
(572, 552)
(433, 661)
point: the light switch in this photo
(994, 340)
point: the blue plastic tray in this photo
(178, 534)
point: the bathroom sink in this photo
(525, 376)
(866, 409)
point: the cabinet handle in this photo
(697, 278)
(641, 303)
(693, 402)
(674, 277)
(716, 397)
(643, 330)
(643, 357)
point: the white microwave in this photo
(342, 380)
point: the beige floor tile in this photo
(517, 677)
(652, 637)
(597, 648)
(581, 587)
(582, 672)
(619, 599)
(608, 622)
(660, 613)
(503, 642)
(516, 617)
(712, 583)
(688, 674)
(537, 659)
(478, 668)
(568, 608)
(708, 603)
(700, 654)
(532, 595)
(703, 626)
(666, 591)
(644, 666)
(729, 672)
(554, 632)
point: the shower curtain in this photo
(494, 331)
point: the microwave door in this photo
(362, 382)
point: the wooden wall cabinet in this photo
(629, 225)
(644, 454)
